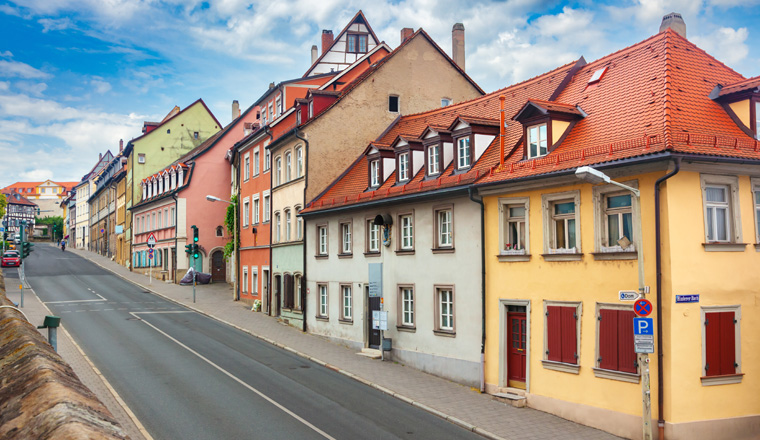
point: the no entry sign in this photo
(642, 307)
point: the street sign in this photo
(150, 255)
(375, 280)
(643, 335)
(150, 251)
(628, 295)
(687, 298)
(151, 240)
(642, 307)
(379, 320)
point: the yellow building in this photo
(659, 115)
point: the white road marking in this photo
(233, 377)
(77, 301)
(101, 296)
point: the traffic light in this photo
(195, 233)
(26, 249)
(188, 248)
(196, 251)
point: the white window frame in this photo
(277, 170)
(529, 138)
(373, 243)
(256, 208)
(406, 308)
(323, 298)
(734, 224)
(599, 198)
(346, 302)
(254, 280)
(256, 159)
(548, 201)
(276, 229)
(406, 232)
(464, 156)
(374, 173)
(267, 160)
(299, 162)
(245, 279)
(433, 162)
(322, 240)
(346, 233)
(403, 166)
(441, 312)
(299, 224)
(246, 211)
(246, 166)
(288, 167)
(287, 225)
(267, 206)
(444, 233)
(513, 254)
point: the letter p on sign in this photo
(643, 326)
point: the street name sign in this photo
(628, 295)
(643, 335)
(687, 298)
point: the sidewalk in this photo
(456, 403)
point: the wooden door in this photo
(516, 357)
(373, 336)
(218, 268)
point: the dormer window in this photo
(311, 109)
(464, 153)
(433, 159)
(374, 173)
(403, 167)
(757, 119)
(537, 141)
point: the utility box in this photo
(387, 344)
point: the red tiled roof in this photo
(653, 98)
(741, 86)
(549, 106)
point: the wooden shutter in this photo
(626, 351)
(569, 336)
(554, 329)
(720, 349)
(608, 337)
(289, 291)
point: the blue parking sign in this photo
(643, 326)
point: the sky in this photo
(76, 76)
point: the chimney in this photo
(235, 109)
(314, 54)
(457, 44)
(406, 33)
(271, 85)
(100, 156)
(675, 22)
(121, 145)
(327, 40)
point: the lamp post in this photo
(211, 198)
(595, 176)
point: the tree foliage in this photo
(3, 204)
(55, 221)
(229, 222)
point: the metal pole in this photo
(235, 293)
(193, 285)
(643, 358)
(53, 337)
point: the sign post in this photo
(643, 341)
(151, 244)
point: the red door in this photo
(516, 359)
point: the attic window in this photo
(195, 135)
(374, 173)
(393, 104)
(141, 158)
(537, 141)
(597, 76)
(356, 43)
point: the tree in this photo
(3, 204)
(56, 223)
(229, 223)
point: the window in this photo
(345, 238)
(166, 218)
(716, 213)
(299, 162)
(244, 287)
(614, 217)
(276, 231)
(160, 221)
(445, 102)
(247, 166)
(756, 197)
(463, 153)
(720, 197)
(271, 112)
(322, 310)
(311, 109)
(433, 164)
(266, 206)
(406, 306)
(219, 231)
(297, 285)
(267, 160)
(393, 104)
(288, 167)
(287, 225)
(356, 43)
(514, 229)
(537, 141)
(256, 209)
(615, 358)
(561, 226)
(374, 173)
(403, 167)
(345, 303)
(322, 240)
(173, 217)
(246, 211)
(444, 227)
(618, 215)
(721, 347)
(373, 237)
(299, 224)
(278, 106)
(256, 161)
(255, 281)
(406, 239)
(153, 221)
(444, 314)
(140, 157)
(277, 170)
(562, 341)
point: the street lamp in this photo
(211, 198)
(595, 176)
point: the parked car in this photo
(11, 258)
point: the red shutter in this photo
(712, 344)
(554, 329)
(626, 351)
(608, 337)
(727, 343)
(568, 331)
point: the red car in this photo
(11, 258)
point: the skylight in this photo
(598, 74)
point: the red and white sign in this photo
(642, 307)
(151, 240)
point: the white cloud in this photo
(32, 88)
(16, 69)
(49, 24)
(6, 54)
(100, 86)
(37, 175)
(726, 44)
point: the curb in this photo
(384, 390)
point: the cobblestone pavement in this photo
(454, 402)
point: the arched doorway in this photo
(218, 268)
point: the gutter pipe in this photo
(471, 193)
(176, 242)
(271, 200)
(303, 226)
(658, 253)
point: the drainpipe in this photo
(660, 374)
(471, 193)
(271, 203)
(303, 227)
(176, 243)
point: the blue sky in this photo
(78, 75)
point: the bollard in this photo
(51, 323)
(21, 288)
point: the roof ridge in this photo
(666, 104)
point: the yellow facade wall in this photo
(721, 278)
(741, 108)
(558, 129)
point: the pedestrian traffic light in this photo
(188, 248)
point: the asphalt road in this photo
(187, 376)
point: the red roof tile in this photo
(741, 86)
